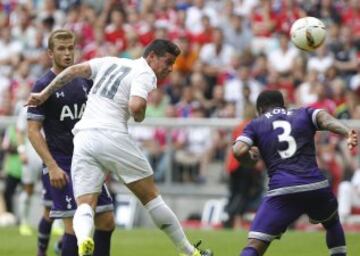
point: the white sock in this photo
(24, 207)
(83, 222)
(165, 220)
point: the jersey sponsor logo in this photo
(72, 112)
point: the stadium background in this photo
(231, 50)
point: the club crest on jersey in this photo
(72, 112)
(68, 200)
(60, 94)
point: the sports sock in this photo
(102, 240)
(69, 245)
(44, 231)
(24, 207)
(165, 219)
(335, 239)
(83, 222)
(249, 251)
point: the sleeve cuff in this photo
(245, 139)
(314, 114)
(36, 117)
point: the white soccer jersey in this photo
(115, 81)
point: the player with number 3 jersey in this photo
(285, 140)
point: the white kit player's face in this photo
(62, 55)
(162, 66)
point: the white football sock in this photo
(165, 220)
(83, 222)
(24, 207)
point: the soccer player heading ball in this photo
(120, 90)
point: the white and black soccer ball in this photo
(308, 33)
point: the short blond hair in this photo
(61, 34)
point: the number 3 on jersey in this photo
(285, 137)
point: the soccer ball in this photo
(308, 33)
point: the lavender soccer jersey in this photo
(285, 139)
(58, 115)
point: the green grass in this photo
(151, 242)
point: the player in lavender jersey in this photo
(57, 117)
(121, 87)
(285, 140)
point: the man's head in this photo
(61, 48)
(268, 100)
(161, 55)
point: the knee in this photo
(46, 214)
(105, 221)
(68, 226)
(331, 222)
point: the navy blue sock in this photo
(335, 239)
(249, 251)
(44, 230)
(102, 240)
(69, 245)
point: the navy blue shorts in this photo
(62, 201)
(276, 213)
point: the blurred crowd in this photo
(231, 51)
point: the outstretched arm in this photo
(79, 70)
(327, 122)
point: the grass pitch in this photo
(152, 242)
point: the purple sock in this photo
(102, 240)
(44, 231)
(335, 239)
(249, 251)
(69, 245)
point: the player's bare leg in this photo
(24, 209)
(255, 247)
(164, 218)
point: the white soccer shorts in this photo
(98, 152)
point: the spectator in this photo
(321, 61)
(282, 59)
(237, 33)
(234, 89)
(196, 12)
(187, 58)
(305, 92)
(12, 167)
(194, 150)
(263, 24)
(245, 182)
(349, 197)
